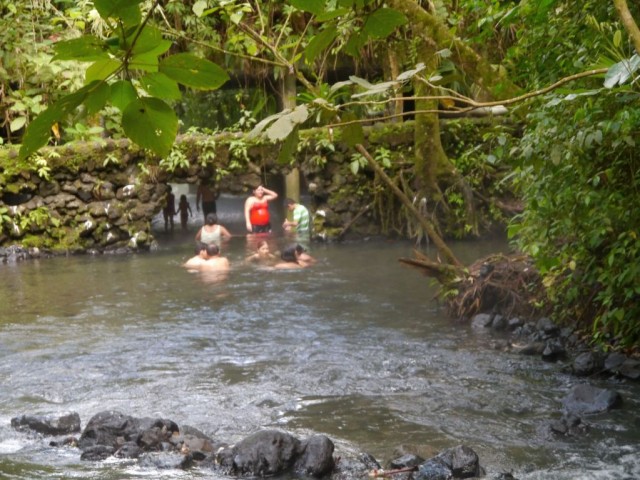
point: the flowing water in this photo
(354, 348)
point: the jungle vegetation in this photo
(566, 71)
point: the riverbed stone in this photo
(553, 350)
(587, 363)
(97, 453)
(461, 460)
(268, 452)
(614, 361)
(48, 425)
(316, 456)
(586, 399)
(433, 469)
(406, 461)
(547, 327)
(165, 460)
(568, 425)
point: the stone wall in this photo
(102, 197)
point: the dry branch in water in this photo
(508, 285)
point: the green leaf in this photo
(382, 22)
(312, 6)
(126, 10)
(84, 49)
(199, 7)
(283, 126)
(619, 73)
(97, 98)
(352, 134)
(148, 39)
(280, 129)
(122, 94)
(288, 149)
(193, 71)
(261, 125)
(17, 123)
(161, 86)
(410, 73)
(101, 70)
(147, 62)
(151, 123)
(354, 166)
(326, 16)
(320, 42)
(617, 38)
(39, 130)
(355, 43)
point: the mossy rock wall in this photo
(102, 196)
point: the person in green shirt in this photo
(300, 222)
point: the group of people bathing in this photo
(258, 221)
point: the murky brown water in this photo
(353, 348)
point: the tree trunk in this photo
(292, 180)
(629, 23)
(432, 166)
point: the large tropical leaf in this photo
(122, 94)
(148, 40)
(288, 149)
(102, 69)
(83, 49)
(193, 71)
(382, 22)
(39, 130)
(160, 86)
(97, 98)
(320, 42)
(126, 10)
(312, 6)
(283, 126)
(147, 62)
(151, 123)
(352, 133)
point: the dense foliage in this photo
(579, 173)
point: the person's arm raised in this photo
(269, 194)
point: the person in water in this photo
(213, 260)
(303, 256)
(289, 258)
(262, 255)
(184, 209)
(256, 210)
(211, 231)
(300, 219)
(169, 209)
(208, 259)
(206, 195)
(197, 260)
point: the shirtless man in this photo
(208, 196)
(213, 260)
(208, 259)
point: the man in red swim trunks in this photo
(256, 210)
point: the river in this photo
(354, 348)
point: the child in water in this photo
(263, 255)
(184, 209)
